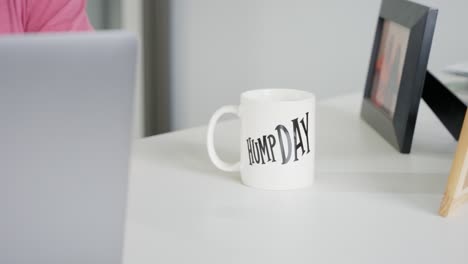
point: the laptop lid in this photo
(65, 122)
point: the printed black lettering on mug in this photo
(291, 143)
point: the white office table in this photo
(369, 203)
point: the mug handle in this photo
(220, 164)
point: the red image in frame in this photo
(389, 66)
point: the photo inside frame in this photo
(388, 66)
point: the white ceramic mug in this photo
(277, 138)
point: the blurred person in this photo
(26, 16)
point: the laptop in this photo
(66, 105)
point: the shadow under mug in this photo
(277, 138)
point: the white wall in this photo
(223, 47)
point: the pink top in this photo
(20, 16)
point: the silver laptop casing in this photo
(65, 121)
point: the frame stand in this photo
(447, 106)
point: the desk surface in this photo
(369, 203)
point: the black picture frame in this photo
(445, 104)
(420, 20)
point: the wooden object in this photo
(456, 192)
